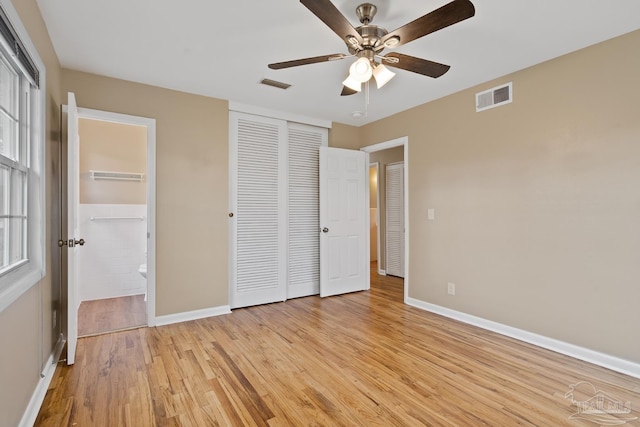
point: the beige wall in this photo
(345, 136)
(373, 186)
(112, 147)
(191, 185)
(26, 326)
(373, 212)
(384, 158)
(537, 203)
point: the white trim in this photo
(274, 114)
(11, 293)
(367, 219)
(402, 141)
(377, 166)
(186, 316)
(31, 412)
(387, 144)
(22, 279)
(150, 124)
(601, 359)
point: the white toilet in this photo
(143, 267)
(143, 270)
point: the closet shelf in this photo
(117, 176)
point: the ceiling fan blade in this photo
(416, 65)
(331, 16)
(449, 14)
(346, 91)
(305, 61)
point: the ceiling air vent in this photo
(495, 97)
(275, 83)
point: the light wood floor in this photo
(112, 314)
(362, 359)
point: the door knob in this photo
(325, 230)
(71, 242)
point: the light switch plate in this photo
(431, 214)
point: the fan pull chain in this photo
(366, 98)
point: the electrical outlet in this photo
(451, 288)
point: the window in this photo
(22, 201)
(14, 166)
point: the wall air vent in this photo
(274, 83)
(494, 97)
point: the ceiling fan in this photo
(367, 42)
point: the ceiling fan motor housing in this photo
(371, 34)
(366, 12)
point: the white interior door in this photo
(395, 219)
(344, 221)
(73, 190)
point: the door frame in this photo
(150, 124)
(377, 166)
(404, 142)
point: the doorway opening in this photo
(389, 226)
(116, 217)
(112, 218)
(374, 216)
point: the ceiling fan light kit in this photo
(361, 70)
(382, 75)
(367, 42)
(352, 84)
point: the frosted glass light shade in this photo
(382, 75)
(361, 70)
(352, 83)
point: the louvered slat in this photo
(395, 220)
(303, 211)
(257, 206)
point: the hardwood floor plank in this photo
(111, 314)
(361, 359)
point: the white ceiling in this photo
(221, 49)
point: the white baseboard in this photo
(382, 272)
(601, 359)
(35, 403)
(192, 315)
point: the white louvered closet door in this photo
(395, 219)
(258, 230)
(304, 144)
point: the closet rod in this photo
(108, 218)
